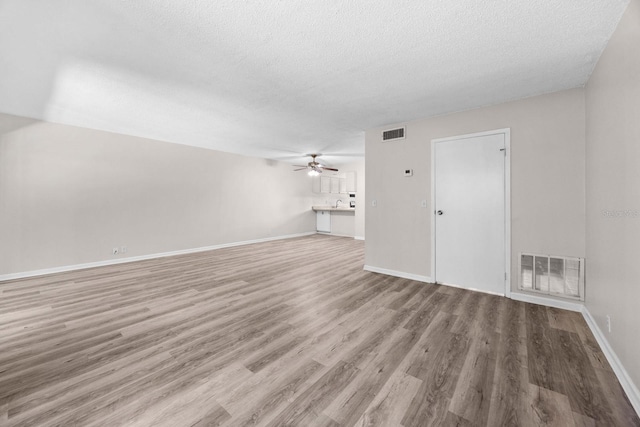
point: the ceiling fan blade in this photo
(301, 169)
(328, 169)
(299, 166)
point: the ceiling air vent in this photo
(393, 134)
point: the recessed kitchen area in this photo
(339, 203)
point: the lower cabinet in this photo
(323, 221)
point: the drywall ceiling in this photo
(277, 79)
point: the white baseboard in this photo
(471, 289)
(33, 273)
(625, 380)
(397, 274)
(359, 237)
(336, 234)
(549, 302)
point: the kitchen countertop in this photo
(333, 208)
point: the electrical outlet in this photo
(123, 249)
(115, 251)
(374, 203)
(609, 323)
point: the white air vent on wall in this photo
(552, 275)
(393, 134)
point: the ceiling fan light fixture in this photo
(314, 168)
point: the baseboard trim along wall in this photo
(64, 268)
(335, 234)
(625, 380)
(359, 237)
(470, 289)
(397, 273)
(549, 302)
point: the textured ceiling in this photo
(277, 78)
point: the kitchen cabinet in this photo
(343, 186)
(335, 185)
(325, 184)
(323, 221)
(338, 183)
(350, 178)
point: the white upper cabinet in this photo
(325, 184)
(338, 183)
(350, 178)
(335, 185)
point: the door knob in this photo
(439, 212)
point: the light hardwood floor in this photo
(290, 332)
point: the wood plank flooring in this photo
(290, 333)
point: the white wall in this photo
(69, 195)
(547, 181)
(613, 188)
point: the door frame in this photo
(507, 200)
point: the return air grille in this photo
(392, 134)
(552, 275)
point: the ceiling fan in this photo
(315, 168)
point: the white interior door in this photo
(469, 212)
